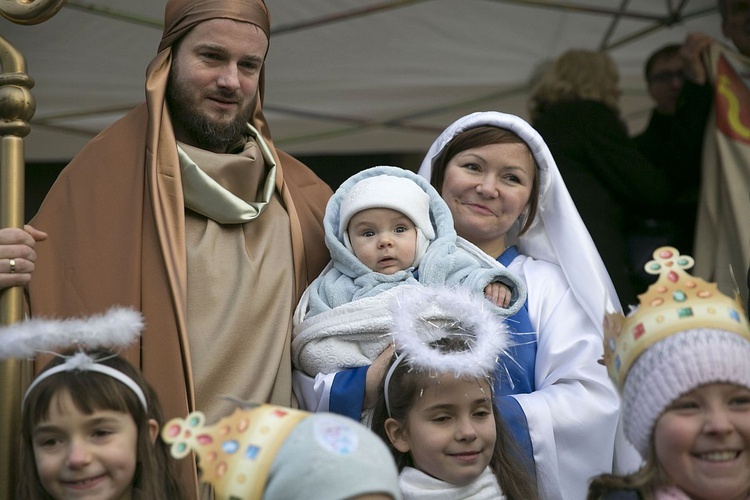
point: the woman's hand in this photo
(17, 255)
(375, 375)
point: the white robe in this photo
(572, 414)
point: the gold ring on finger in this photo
(12, 263)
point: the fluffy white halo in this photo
(424, 314)
(116, 328)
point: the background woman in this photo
(575, 107)
(507, 197)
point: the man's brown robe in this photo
(116, 221)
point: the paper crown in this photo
(676, 302)
(236, 453)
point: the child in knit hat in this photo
(682, 364)
(385, 227)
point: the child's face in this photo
(450, 431)
(85, 456)
(703, 442)
(383, 239)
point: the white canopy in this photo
(350, 76)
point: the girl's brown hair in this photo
(513, 471)
(478, 137)
(91, 391)
(643, 482)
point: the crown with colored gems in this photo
(236, 453)
(676, 302)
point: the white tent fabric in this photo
(350, 76)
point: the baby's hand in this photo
(498, 294)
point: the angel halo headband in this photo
(115, 329)
(423, 315)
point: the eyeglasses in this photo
(666, 77)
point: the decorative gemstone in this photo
(669, 263)
(672, 276)
(221, 469)
(230, 446)
(280, 413)
(188, 433)
(661, 288)
(690, 284)
(243, 425)
(682, 261)
(204, 439)
(679, 296)
(665, 254)
(704, 294)
(173, 430)
(638, 330)
(252, 452)
(181, 447)
(194, 420)
(211, 456)
(612, 345)
(734, 315)
(224, 430)
(657, 302)
(617, 363)
(655, 266)
(685, 312)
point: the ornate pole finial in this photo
(29, 11)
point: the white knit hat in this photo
(674, 366)
(389, 191)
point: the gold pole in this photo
(17, 107)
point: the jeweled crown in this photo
(675, 303)
(236, 453)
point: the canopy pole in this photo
(17, 107)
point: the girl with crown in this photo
(682, 364)
(436, 410)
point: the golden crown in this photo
(675, 303)
(236, 453)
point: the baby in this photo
(385, 227)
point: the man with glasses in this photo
(665, 78)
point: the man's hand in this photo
(17, 255)
(690, 56)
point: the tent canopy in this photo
(350, 76)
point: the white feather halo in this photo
(116, 328)
(424, 314)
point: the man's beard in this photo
(205, 132)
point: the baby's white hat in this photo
(388, 191)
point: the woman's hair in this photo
(644, 481)
(90, 391)
(513, 471)
(478, 137)
(577, 74)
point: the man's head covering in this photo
(181, 15)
